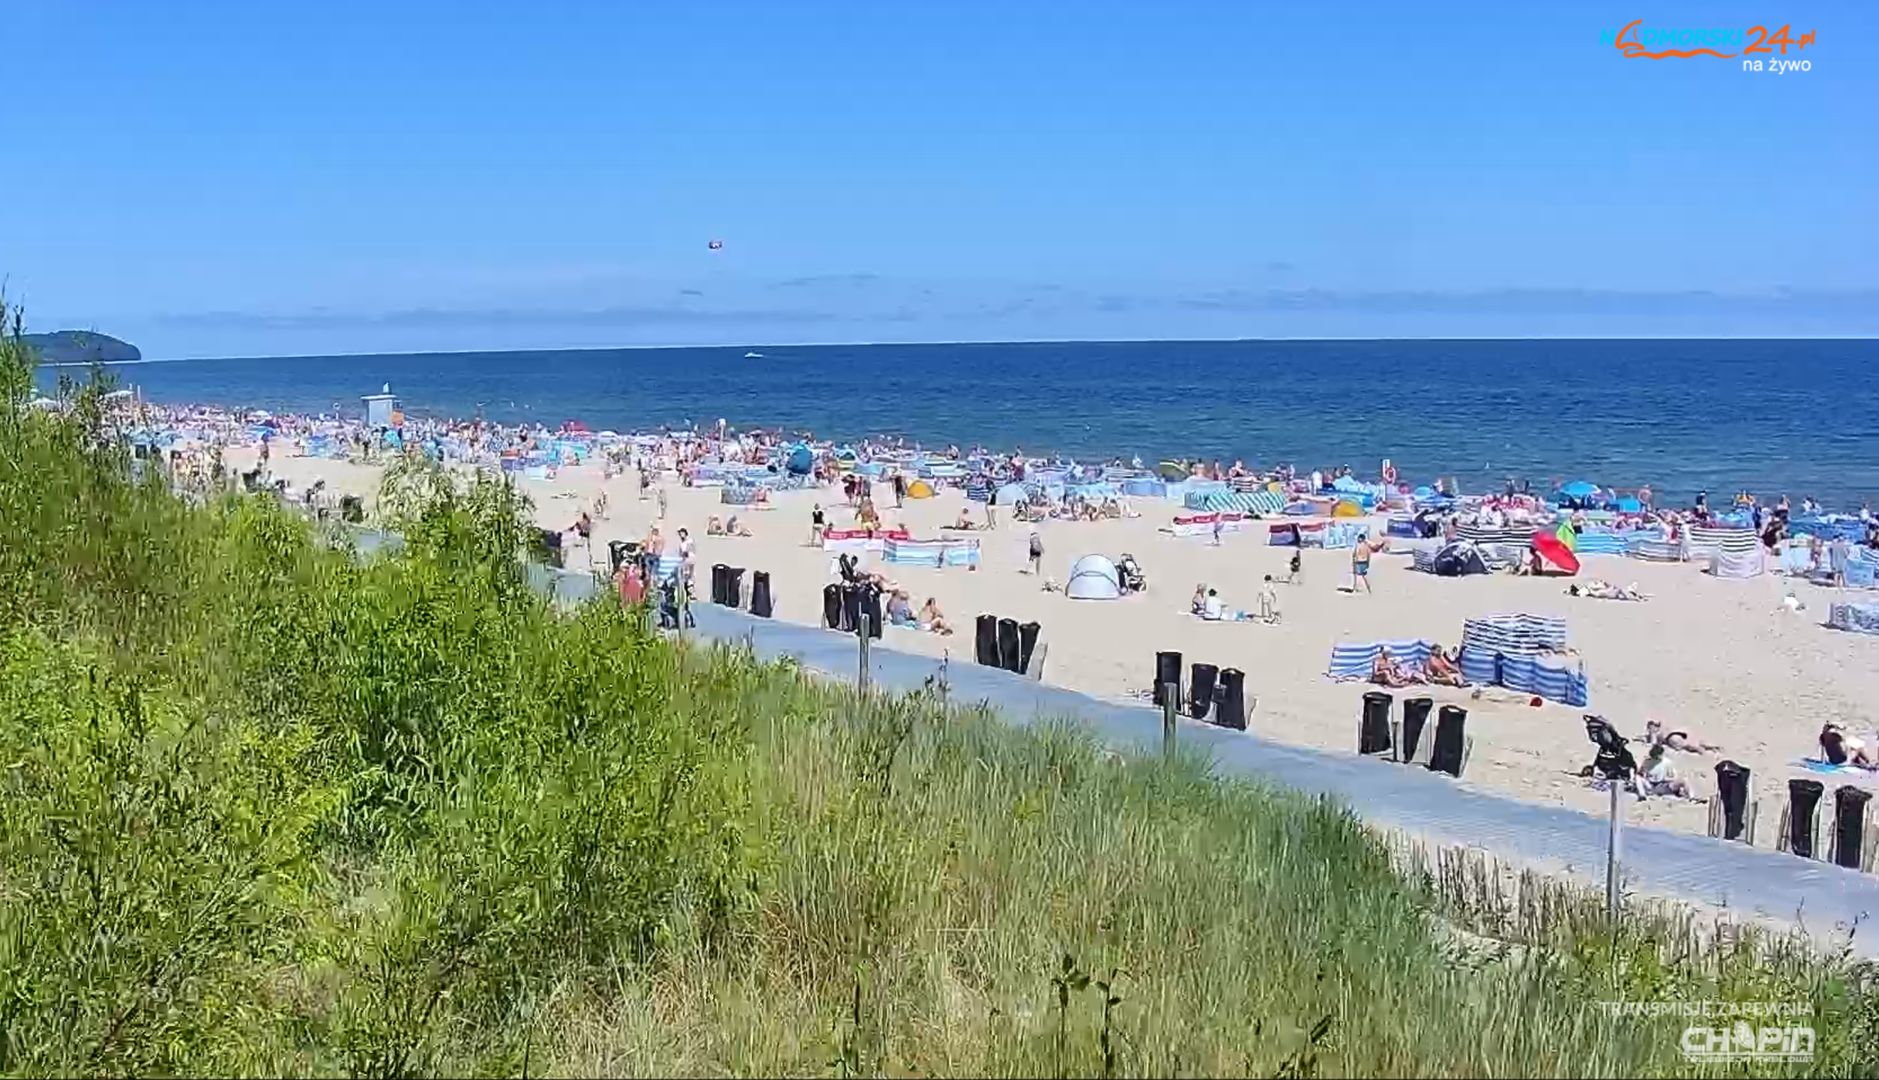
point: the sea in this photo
(1799, 417)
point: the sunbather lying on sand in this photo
(1679, 739)
(1605, 590)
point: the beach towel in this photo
(1353, 660)
(1821, 765)
(1855, 618)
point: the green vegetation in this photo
(271, 807)
(81, 347)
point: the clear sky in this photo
(242, 178)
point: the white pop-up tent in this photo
(1094, 577)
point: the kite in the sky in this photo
(716, 245)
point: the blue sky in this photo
(211, 178)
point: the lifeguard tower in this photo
(380, 408)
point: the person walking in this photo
(1037, 551)
(1360, 566)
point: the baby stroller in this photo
(673, 606)
(1129, 574)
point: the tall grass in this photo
(272, 808)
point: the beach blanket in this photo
(1854, 617)
(1353, 660)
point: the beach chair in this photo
(1851, 844)
(1800, 818)
(1733, 812)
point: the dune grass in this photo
(273, 808)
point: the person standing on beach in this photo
(900, 489)
(817, 522)
(662, 503)
(1360, 566)
(1037, 551)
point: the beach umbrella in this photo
(1567, 536)
(1553, 551)
(1578, 489)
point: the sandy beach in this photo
(1715, 657)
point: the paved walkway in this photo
(1763, 882)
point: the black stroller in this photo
(1129, 574)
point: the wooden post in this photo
(1168, 693)
(1612, 850)
(861, 631)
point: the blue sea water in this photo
(1769, 416)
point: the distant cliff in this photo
(80, 347)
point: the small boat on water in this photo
(753, 356)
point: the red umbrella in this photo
(1554, 550)
(574, 427)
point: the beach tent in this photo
(1458, 558)
(1012, 495)
(1578, 489)
(1093, 577)
(1347, 508)
(919, 489)
(1555, 553)
(801, 460)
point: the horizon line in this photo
(978, 341)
